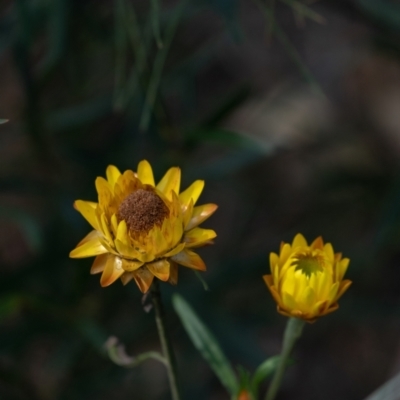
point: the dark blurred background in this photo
(290, 111)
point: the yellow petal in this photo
(173, 273)
(331, 309)
(104, 191)
(200, 214)
(289, 281)
(276, 276)
(126, 277)
(192, 192)
(145, 256)
(333, 292)
(289, 302)
(175, 205)
(145, 173)
(114, 225)
(112, 173)
(342, 268)
(90, 248)
(88, 212)
(99, 264)
(122, 233)
(189, 259)
(309, 300)
(282, 311)
(171, 181)
(198, 237)
(177, 231)
(297, 314)
(318, 243)
(112, 271)
(107, 246)
(126, 184)
(159, 244)
(324, 285)
(284, 253)
(167, 231)
(187, 214)
(160, 269)
(90, 236)
(143, 278)
(176, 250)
(268, 280)
(131, 265)
(105, 229)
(299, 241)
(126, 251)
(319, 308)
(343, 287)
(301, 283)
(270, 284)
(273, 261)
(328, 249)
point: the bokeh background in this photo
(290, 111)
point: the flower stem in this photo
(164, 339)
(293, 331)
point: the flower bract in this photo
(143, 230)
(306, 281)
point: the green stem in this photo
(164, 339)
(293, 331)
(117, 354)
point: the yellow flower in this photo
(307, 281)
(142, 230)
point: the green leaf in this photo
(244, 383)
(158, 67)
(206, 343)
(155, 12)
(140, 42)
(291, 50)
(388, 391)
(263, 371)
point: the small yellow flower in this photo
(142, 230)
(307, 281)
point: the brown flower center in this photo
(141, 210)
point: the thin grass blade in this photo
(291, 50)
(263, 371)
(158, 67)
(206, 344)
(155, 13)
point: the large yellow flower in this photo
(142, 230)
(306, 281)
